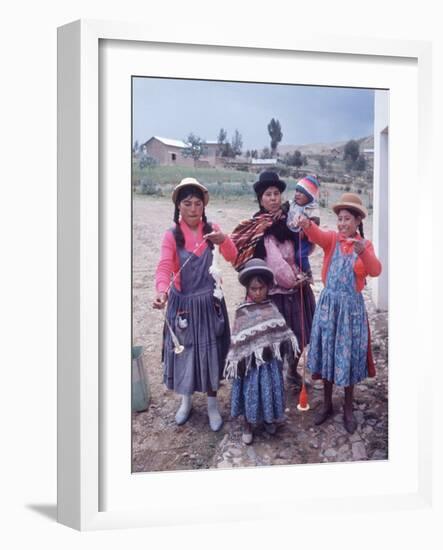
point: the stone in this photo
(359, 451)
(284, 454)
(251, 453)
(330, 453)
(234, 451)
(224, 464)
(379, 454)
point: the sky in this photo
(174, 108)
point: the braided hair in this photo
(189, 191)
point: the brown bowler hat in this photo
(350, 201)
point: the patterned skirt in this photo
(339, 339)
(260, 394)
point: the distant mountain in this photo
(324, 148)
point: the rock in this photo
(330, 453)
(224, 464)
(251, 453)
(234, 451)
(284, 454)
(343, 449)
(359, 451)
(355, 437)
(379, 454)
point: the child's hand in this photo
(304, 222)
(359, 245)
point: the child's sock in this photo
(184, 410)
(215, 419)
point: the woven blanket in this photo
(248, 233)
(258, 330)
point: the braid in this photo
(207, 228)
(178, 233)
(360, 229)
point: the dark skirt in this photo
(260, 394)
(295, 306)
(201, 325)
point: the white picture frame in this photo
(86, 215)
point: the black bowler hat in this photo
(268, 178)
(253, 268)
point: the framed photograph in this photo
(120, 468)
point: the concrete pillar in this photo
(381, 197)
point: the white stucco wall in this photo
(381, 196)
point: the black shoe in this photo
(323, 415)
(350, 423)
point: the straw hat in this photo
(186, 182)
(350, 201)
(253, 268)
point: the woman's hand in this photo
(216, 237)
(160, 300)
(303, 222)
(359, 245)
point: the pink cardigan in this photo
(169, 263)
(366, 264)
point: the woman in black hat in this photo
(267, 236)
(195, 315)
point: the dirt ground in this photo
(159, 444)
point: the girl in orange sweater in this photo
(339, 346)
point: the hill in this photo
(324, 148)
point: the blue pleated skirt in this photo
(260, 395)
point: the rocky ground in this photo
(158, 444)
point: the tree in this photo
(266, 153)
(352, 151)
(360, 163)
(221, 140)
(196, 147)
(254, 154)
(274, 130)
(322, 162)
(237, 143)
(136, 147)
(297, 159)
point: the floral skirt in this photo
(339, 338)
(260, 394)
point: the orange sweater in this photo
(366, 264)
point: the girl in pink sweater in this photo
(196, 316)
(339, 350)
